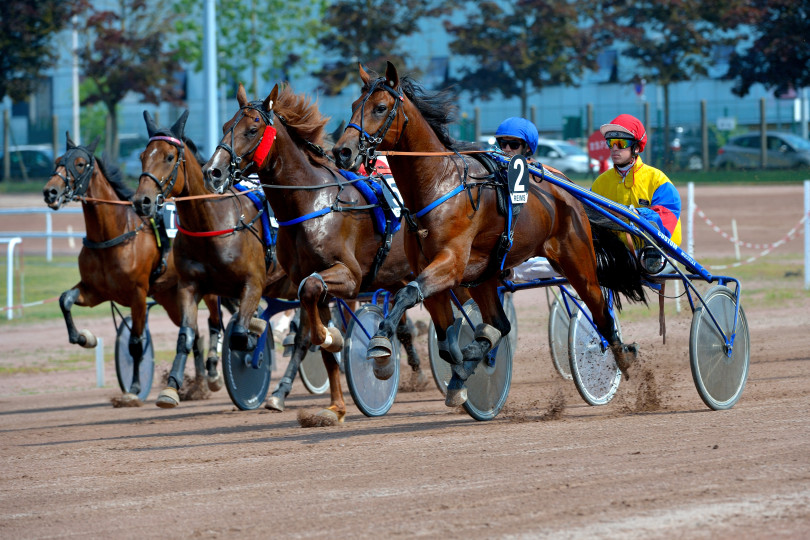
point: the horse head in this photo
(372, 123)
(71, 176)
(163, 165)
(247, 140)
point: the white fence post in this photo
(806, 234)
(100, 363)
(12, 242)
(690, 219)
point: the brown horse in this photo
(327, 239)
(222, 248)
(121, 260)
(457, 241)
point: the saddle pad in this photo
(269, 228)
(373, 193)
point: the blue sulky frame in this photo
(637, 226)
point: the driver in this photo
(517, 135)
(633, 183)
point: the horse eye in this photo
(170, 158)
(381, 108)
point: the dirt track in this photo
(654, 463)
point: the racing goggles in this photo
(512, 144)
(619, 143)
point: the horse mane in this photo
(301, 116)
(113, 175)
(438, 109)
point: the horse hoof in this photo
(130, 399)
(383, 368)
(456, 398)
(331, 416)
(274, 403)
(215, 384)
(334, 340)
(168, 398)
(257, 326)
(379, 347)
(90, 340)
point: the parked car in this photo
(686, 148)
(564, 156)
(37, 158)
(784, 150)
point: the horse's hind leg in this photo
(405, 330)
(66, 301)
(137, 344)
(300, 347)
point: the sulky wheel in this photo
(488, 386)
(511, 314)
(313, 372)
(595, 372)
(372, 396)
(247, 385)
(719, 377)
(558, 324)
(124, 363)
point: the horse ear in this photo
(92, 147)
(363, 74)
(271, 99)
(241, 96)
(70, 143)
(151, 126)
(391, 75)
(179, 127)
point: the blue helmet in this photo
(520, 128)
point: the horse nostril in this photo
(215, 173)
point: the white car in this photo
(564, 156)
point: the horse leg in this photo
(487, 335)
(247, 329)
(169, 396)
(300, 347)
(440, 275)
(337, 280)
(336, 412)
(66, 301)
(137, 344)
(213, 375)
(405, 336)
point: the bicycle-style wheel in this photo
(595, 372)
(719, 377)
(124, 365)
(313, 372)
(372, 396)
(247, 385)
(558, 324)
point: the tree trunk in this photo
(524, 98)
(111, 133)
(667, 148)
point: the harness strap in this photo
(205, 233)
(113, 241)
(439, 201)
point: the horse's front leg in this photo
(336, 411)
(76, 296)
(439, 276)
(487, 335)
(313, 292)
(137, 344)
(187, 302)
(248, 329)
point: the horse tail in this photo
(617, 267)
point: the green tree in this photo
(525, 45)
(672, 40)
(779, 57)
(26, 41)
(260, 37)
(369, 32)
(127, 51)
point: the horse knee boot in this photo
(185, 342)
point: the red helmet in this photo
(626, 126)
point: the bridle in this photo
(367, 146)
(80, 181)
(258, 151)
(167, 184)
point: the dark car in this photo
(784, 150)
(38, 160)
(685, 148)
